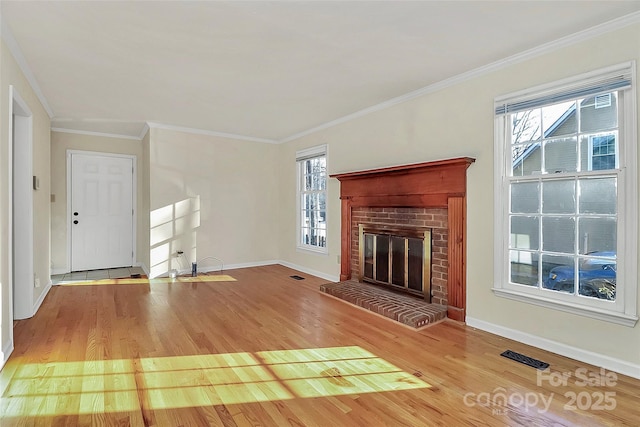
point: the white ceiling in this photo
(267, 70)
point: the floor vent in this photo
(296, 277)
(529, 361)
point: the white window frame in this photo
(301, 156)
(623, 310)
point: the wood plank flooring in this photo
(267, 350)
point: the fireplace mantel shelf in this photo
(436, 184)
(459, 161)
(428, 184)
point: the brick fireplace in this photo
(429, 195)
(432, 219)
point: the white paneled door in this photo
(101, 211)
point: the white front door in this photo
(101, 211)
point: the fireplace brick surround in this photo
(433, 218)
(430, 194)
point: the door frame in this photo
(134, 197)
(21, 239)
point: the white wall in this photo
(10, 75)
(144, 195)
(211, 197)
(60, 143)
(453, 122)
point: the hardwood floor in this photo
(267, 350)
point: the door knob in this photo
(75, 222)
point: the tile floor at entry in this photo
(112, 273)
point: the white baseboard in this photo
(143, 267)
(621, 366)
(243, 265)
(6, 351)
(217, 268)
(226, 267)
(316, 273)
(43, 295)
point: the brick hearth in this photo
(405, 309)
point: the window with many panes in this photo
(566, 195)
(312, 198)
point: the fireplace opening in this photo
(396, 257)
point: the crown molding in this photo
(572, 39)
(144, 131)
(14, 48)
(155, 125)
(91, 133)
(589, 33)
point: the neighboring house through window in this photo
(566, 195)
(602, 152)
(312, 199)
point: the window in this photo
(602, 152)
(566, 195)
(312, 199)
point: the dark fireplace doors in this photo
(396, 257)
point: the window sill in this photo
(607, 316)
(312, 250)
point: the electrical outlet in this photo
(36, 282)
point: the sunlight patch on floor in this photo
(134, 281)
(86, 387)
(197, 279)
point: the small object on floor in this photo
(296, 277)
(529, 361)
